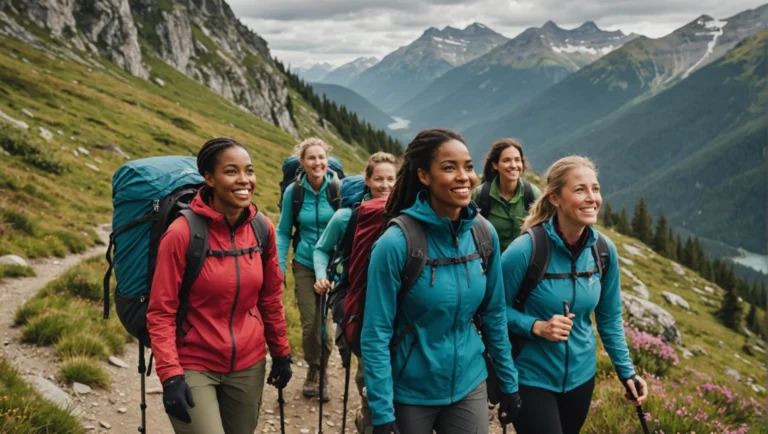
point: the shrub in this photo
(84, 370)
(650, 353)
(16, 271)
(82, 343)
(73, 242)
(21, 221)
(18, 143)
(48, 328)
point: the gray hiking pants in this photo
(468, 416)
(311, 318)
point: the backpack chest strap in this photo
(574, 276)
(237, 252)
(450, 261)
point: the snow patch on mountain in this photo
(568, 48)
(717, 27)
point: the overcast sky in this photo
(304, 32)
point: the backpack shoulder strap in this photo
(345, 248)
(261, 230)
(416, 252)
(333, 191)
(537, 267)
(297, 200)
(483, 241)
(602, 254)
(484, 200)
(528, 198)
(196, 254)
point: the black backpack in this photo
(537, 271)
(340, 258)
(484, 200)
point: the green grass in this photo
(16, 271)
(84, 370)
(23, 411)
(82, 344)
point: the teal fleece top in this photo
(563, 366)
(439, 361)
(315, 213)
(330, 240)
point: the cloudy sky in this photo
(303, 32)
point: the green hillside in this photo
(695, 151)
(51, 198)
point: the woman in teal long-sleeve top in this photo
(557, 361)
(435, 377)
(379, 178)
(316, 211)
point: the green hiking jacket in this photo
(506, 215)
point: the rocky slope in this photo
(202, 39)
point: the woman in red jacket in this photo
(213, 371)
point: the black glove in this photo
(281, 373)
(510, 404)
(387, 428)
(177, 398)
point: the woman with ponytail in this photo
(505, 196)
(557, 345)
(431, 376)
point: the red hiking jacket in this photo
(235, 305)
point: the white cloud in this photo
(337, 31)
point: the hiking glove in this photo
(510, 404)
(387, 428)
(281, 373)
(177, 398)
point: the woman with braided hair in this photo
(213, 371)
(434, 378)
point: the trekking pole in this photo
(639, 408)
(143, 406)
(324, 316)
(346, 392)
(281, 403)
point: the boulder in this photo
(633, 250)
(709, 289)
(699, 350)
(677, 268)
(159, 81)
(733, 373)
(698, 291)
(44, 133)
(117, 362)
(649, 316)
(82, 150)
(15, 122)
(13, 260)
(114, 149)
(52, 392)
(687, 354)
(626, 261)
(639, 286)
(81, 389)
(675, 300)
(28, 113)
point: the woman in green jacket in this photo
(379, 179)
(505, 196)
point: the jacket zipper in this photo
(234, 303)
(317, 216)
(455, 318)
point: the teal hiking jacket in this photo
(315, 213)
(563, 366)
(439, 360)
(330, 240)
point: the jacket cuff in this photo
(166, 373)
(383, 419)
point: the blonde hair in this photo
(302, 147)
(557, 174)
(378, 158)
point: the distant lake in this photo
(752, 260)
(400, 123)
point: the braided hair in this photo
(418, 155)
(211, 151)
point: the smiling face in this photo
(232, 180)
(450, 179)
(315, 161)
(510, 165)
(382, 180)
(579, 200)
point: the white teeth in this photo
(241, 191)
(461, 190)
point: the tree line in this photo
(691, 254)
(351, 128)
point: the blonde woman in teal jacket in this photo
(316, 211)
(557, 361)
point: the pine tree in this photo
(623, 225)
(672, 246)
(661, 237)
(699, 256)
(642, 223)
(753, 324)
(730, 310)
(679, 254)
(688, 254)
(607, 215)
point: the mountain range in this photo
(408, 70)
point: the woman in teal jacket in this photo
(435, 377)
(557, 359)
(316, 211)
(379, 180)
